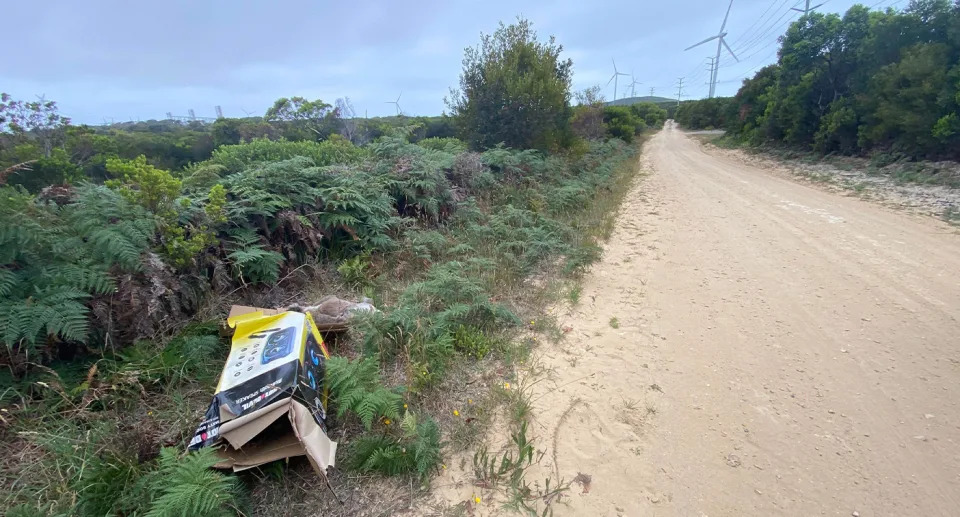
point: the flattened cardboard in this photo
(274, 372)
(241, 430)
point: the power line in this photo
(752, 70)
(751, 31)
(760, 51)
(721, 44)
(775, 27)
(764, 47)
(765, 30)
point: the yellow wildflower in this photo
(404, 406)
(386, 421)
(506, 385)
(456, 413)
(476, 499)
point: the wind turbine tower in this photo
(614, 77)
(721, 43)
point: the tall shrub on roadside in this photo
(513, 90)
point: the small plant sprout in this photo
(614, 322)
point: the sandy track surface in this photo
(781, 350)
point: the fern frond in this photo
(355, 387)
(187, 486)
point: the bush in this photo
(236, 158)
(53, 260)
(513, 90)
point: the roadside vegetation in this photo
(122, 247)
(879, 84)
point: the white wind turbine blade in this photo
(728, 49)
(726, 16)
(711, 38)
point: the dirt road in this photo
(780, 350)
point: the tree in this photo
(587, 119)
(869, 81)
(226, 131)
(39, 120)
(904, 105)
(513, 90)
(622, 123)
(348, 121)
(301, 119)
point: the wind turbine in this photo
(397, 104)
(614, 77)
(721, 42)
(633, 85)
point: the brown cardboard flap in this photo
(319, 448)
(284, 446)
(241, 430)
(240, 310)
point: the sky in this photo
(120, 60)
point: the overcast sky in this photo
(126, 60)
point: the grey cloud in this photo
(125, 60)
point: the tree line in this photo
(866, 82)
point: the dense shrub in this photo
(235, 158)
(514, 90)
(865, 82)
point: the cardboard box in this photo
(271, 400)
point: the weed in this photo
(355, 270)
(472, 342)
(573, 295)
(951, 214)
(614, 322)
(508, 471)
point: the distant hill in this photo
(626, 101)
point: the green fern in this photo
(187, 487)
(415, 449)
(54, 259)
(251, 261)
(355, 387)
